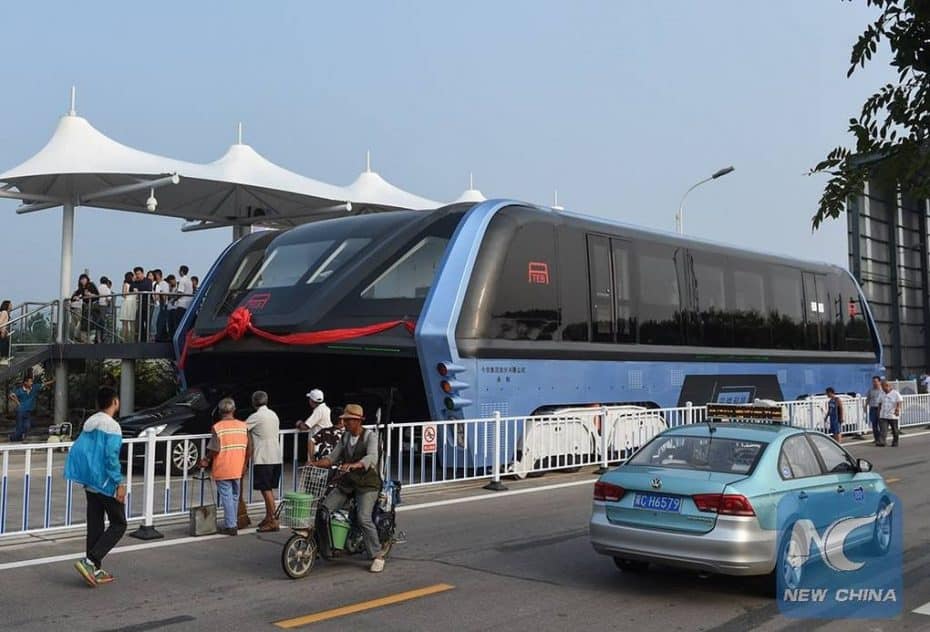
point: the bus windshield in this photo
(287, 264)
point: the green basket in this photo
(338, 531)
(298, 507)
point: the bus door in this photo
(601, 288)
(611, 294)
(815, 307)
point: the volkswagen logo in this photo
(656, 483)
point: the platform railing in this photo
(31, 326)
(159, 470)
(123, 318)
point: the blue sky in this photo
(619, 105)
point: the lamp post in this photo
(679, 217)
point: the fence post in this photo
(689, 413)
(813, 422)
(863, 428)
(495, 485)
(605, 444)
(147, 530)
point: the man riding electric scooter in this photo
(356, 454)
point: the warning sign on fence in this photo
(429, 439)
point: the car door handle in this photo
(840, 489)
(803, 495)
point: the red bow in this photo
(240, 322)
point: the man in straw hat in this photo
(356, 454)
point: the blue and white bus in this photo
(521, 309)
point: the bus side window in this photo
(786, 309)
(713, 324)
(750, 327)
(573, 284)
(660, 312)
(601, 287)
(525, 301)
(857, 334)
(625, 312)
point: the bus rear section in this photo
(555, 311)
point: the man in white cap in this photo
(319, 418)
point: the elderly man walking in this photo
(890, 413)
(264, 428)
(227, 456)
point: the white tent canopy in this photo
(81, 166)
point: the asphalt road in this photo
(508, 561)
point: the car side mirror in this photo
(863, 465)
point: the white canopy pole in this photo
(67, 248)
(61, 368)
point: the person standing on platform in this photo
(160, 319)
(104, 314)
(127, 309)
(227, 456)
(143, 285)
(93, 461)
(186, 294)
(5, 309)
(264, 428)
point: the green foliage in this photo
(156, 381)
(891, 131)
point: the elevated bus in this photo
(519, 309)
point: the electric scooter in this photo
(307, 521)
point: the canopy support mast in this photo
(67, 251)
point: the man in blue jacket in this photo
(94, 463)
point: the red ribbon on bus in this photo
(240, 323)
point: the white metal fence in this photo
(35, 497)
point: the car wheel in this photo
(631, 566)
(789, 564)
(184, 453)
(881, 537)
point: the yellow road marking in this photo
(892, 480)
(362, 606)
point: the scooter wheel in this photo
(298, 556)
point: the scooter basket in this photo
(298, 509)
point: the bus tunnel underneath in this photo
(392, 386)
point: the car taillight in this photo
(608, 492)
(724, 504)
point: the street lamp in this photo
(679, 217)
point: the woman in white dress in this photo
(127, 309)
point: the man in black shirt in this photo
(143, 284)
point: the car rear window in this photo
(709, 454)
